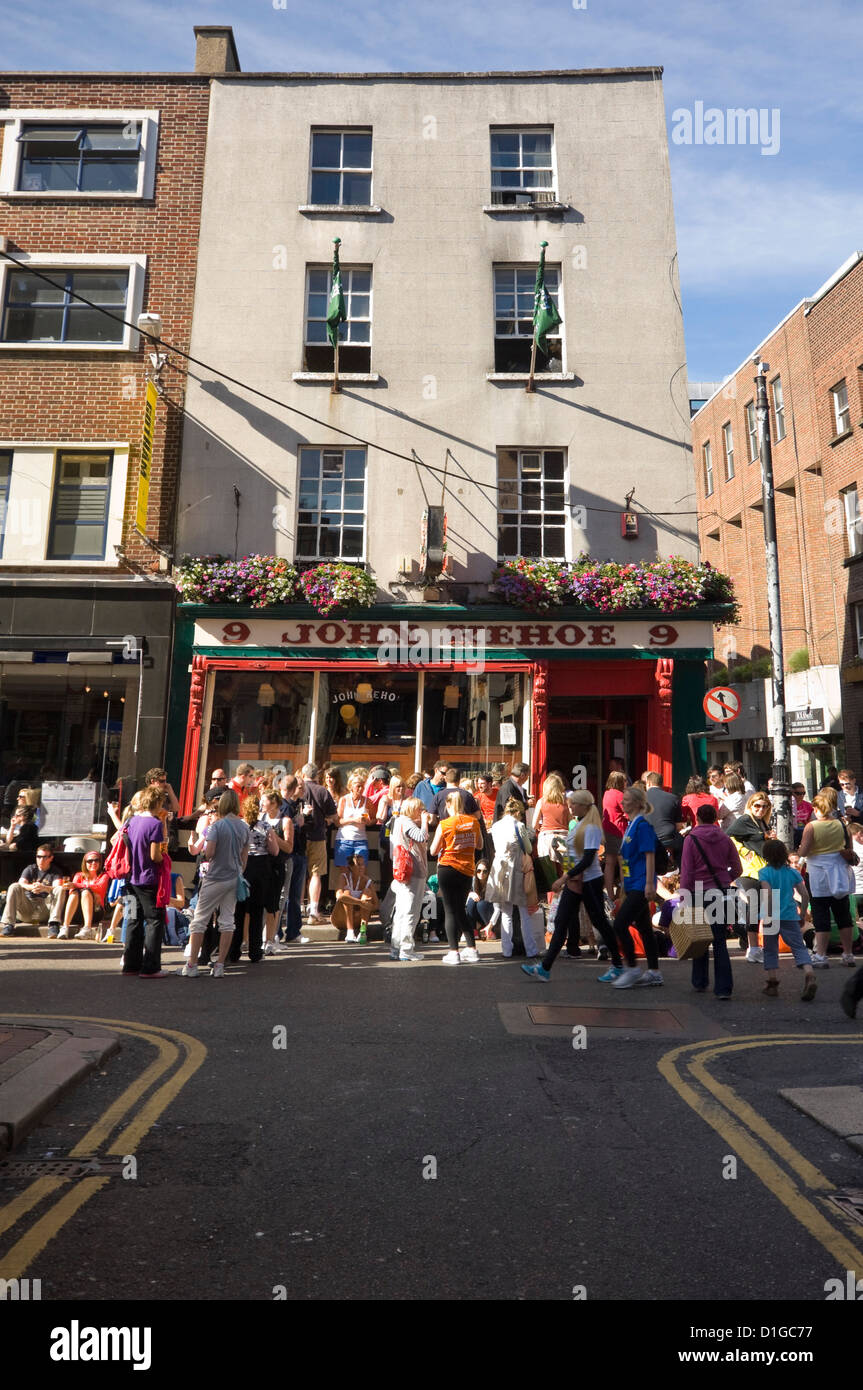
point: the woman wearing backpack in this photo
(409, 835)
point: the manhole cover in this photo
(567, 1015)
(850, 1202)
(16, 1168)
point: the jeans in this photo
(791, 934)
(566, 924)
(722, 978)
(294, 903)
(143, 951)
(479, 912)
(634, 910)
(409, 902)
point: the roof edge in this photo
(343, 76)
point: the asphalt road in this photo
(419, 1138)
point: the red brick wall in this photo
(49, 396)
(811, 353)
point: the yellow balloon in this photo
(347, 712)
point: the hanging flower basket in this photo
(338, 588)
(668, 585)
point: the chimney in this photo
(215, 50)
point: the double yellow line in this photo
(171, 1047)
(806, 1193)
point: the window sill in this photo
(72, 196)
(326, 378)
(66, 347)
(525, 376)
(837, 438)
(534, 209)
(347, 209)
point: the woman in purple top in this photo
(709, 865)
(148, 841)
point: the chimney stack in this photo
(215, 50)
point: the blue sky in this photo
(756, 232)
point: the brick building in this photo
(101, 178)
(815, 393)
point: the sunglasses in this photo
(92, 861)
(44, 856)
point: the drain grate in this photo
(16, 1168)
(849, 1200)
(567, 1015)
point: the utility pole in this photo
(780, 793)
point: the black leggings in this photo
(454, 888)
(566, 921)
(821, 913)
(635, 910)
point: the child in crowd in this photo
(787, 889)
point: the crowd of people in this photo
(539, 875)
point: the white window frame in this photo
(728, 446)
(778, 408)
(853, 520)
(858, 627)
(348, 291)
(30, 506)
(548, 195)
(558, 335)
(345, 559)
(10, 164)
(841, 414)
(342, 130)
(707, 459)
(752, 431)
(47, 261)
(518, 514)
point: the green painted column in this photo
(178, 697)
(687, 713)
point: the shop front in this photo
(406, 687)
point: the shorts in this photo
(316, 857)
(346, 849)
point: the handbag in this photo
(119, 861)
(548, 871)
(242, 889)
(403, 864)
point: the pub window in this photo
(262, 717)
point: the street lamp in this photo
(781, 789)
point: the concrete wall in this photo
(432, 250)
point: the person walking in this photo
(226, 851)
(456, 840)
(784, 920)
(409, 836)
(638, 863)
(263, 849)
(551, 821)
(824, 845)
(148, 843)
(750, 832)
(583, 883)
(708, 867)
(511, 883)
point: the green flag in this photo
(545, 315)
(336, 311)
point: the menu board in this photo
(68, 808)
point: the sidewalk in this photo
(837, 1108)
(38, 1065)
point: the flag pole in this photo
(540, 279)
(530, 386)
(335, 388)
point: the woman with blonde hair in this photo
(409, 845)
(583, 883)
(551, 819)
(749, 833)
(511, 881)
(824, 845)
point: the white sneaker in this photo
(350, 936)
(628, 978)
(848, 959)
(451, 958)
(269, 949)
(317, 919)
(650, 977)
(470, 955)
(218, 971)
(755, 955)
(295, 941)
(411, 955)
(820, 962)
(85, 934)
(187, 971)
(63, 934)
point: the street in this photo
(350, 1128)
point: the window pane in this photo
(360, 305)
(360, 332)
(354, 489)
(34, 325)
(316, 332)
(537, 142)
(113, 137)
(307, 540)
(531, 541)
(77, 542)
(49, 175)
(101, 288)
(310, 462)
(553, 464)
(358, 151)
(361, 281)
(555, 546)
(503, 144)
(85, 325)
(505, 178)
(352, 543)
(317, 306)
(41, 136)
(326, 188)
(355, 463)
(507, 497)
(326, 150)
(319, 282)
(507, 543)
(32, 289)
(110, 176)
(507, 463)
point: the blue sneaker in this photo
(613, 973)
(536, 972)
